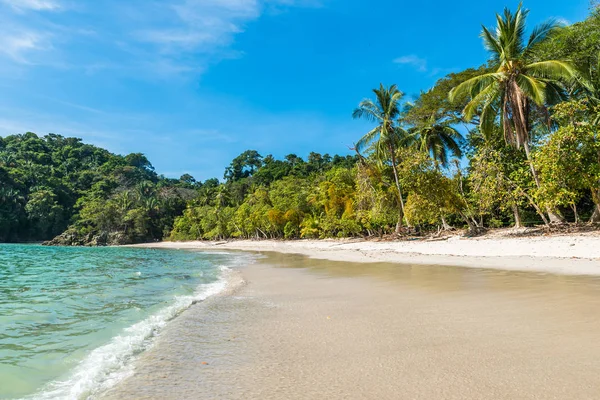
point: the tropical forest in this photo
(513, 142)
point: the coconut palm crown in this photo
(384, 111)
(516, 82)
(438, 138)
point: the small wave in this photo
(111, 363)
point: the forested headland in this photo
(509, 143)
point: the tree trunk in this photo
(531, 166)
(596, 198)
(517, 214)
(595, 218)
(472, 227)
(574, 208)
(401, 215)
(445, 224)
(532, 202)
(464, 196)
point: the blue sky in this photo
(193, 83)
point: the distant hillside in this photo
(50, 183)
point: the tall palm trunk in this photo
(519, 107)
(401, 215)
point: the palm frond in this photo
(533, 88)
(487, 120)
(518, 30)
(452, 139)
(492, 44)
(481, 98)
(555, 92)
(367, 110)
(367, 139)
(540, 33)
(471, 87)
(551, 69)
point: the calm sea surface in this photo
(72, 319)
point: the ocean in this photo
(72, 320)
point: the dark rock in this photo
(73, 238)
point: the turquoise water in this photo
(72, 319)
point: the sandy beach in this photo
(296, 327)
(576, 254)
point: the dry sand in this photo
(576, 254)
(339, 330)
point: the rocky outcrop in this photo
(74, 238)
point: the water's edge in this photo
(108, 365)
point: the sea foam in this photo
(107, 365)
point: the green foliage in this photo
(432, 194)
(382, 142)
(51, 183)
(44, 212)
(310, 199)
(435, 101)
(376, 200)
(498, 178)
(243, 165)
(569, 163)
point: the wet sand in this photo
(301, 328)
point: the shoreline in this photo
(297, 327)
(577, 254)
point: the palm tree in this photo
(438, 138)
(516, 84)
(386, 137)
(151, 204)
(144, 189)
(124, 200)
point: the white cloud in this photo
(415, 61)
(190, 35)
(37, 5)
(200, 25)
(141, 37)
(177, 40)
(17, 46)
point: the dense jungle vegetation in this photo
(53, 182)
(512, 142)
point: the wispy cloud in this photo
(16, 46)
(202, 28)
(37, 5)
(420, 64)
(168, 37)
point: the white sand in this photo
(326, 330)
(577, 254)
